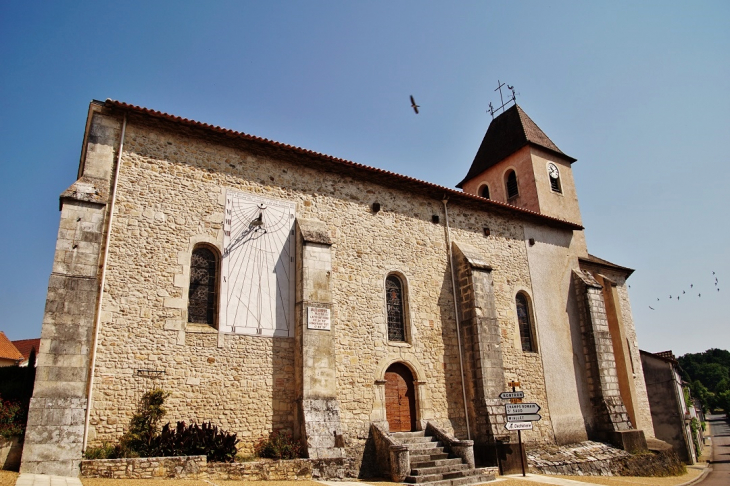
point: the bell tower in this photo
(517, 164)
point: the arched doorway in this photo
(400, 398)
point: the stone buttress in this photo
(483, 362)
(56, 418)
(611, 419)
(318, 408)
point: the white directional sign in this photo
(515, 394)
(521, 408)
(525, 417)
(518, 426)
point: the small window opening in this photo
(484, 192)
(512, 190)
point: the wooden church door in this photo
(400, 399)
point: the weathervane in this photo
(501, 98)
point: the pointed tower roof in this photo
(508, 133)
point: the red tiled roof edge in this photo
(298, 150)
(7, 349)
(25, 345)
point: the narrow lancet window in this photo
(512, 190)
(394, 303)
(202, 296)
(523, 318)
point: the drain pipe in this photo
(97, 323)
(445, 200)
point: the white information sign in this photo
(514, 394)
(318, 318)
(518, 426)
(520, 408)
(526, 417)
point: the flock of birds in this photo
(691, 288)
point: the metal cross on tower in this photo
(501, 98)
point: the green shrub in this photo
(278, 445)
(196, 440)
(145, 424)
(144, 439)
(12, 418)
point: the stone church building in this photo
(269, 287)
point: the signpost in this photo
(519, 415)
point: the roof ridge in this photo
(386, 173)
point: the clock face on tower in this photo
(257, 269)
(553, 171)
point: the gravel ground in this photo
(7, 478)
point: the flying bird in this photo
(414, 105)
(650, 307)
(699, 295)
(691, 285)
(683, 291)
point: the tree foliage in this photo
(709, 376)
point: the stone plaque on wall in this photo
(318, 318)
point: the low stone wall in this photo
(197, 467)
(598, 459)
(184, 467)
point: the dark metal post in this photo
(519, 444)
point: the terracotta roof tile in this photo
(374, 174)
(25, 345)
(7, 350)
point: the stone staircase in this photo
(431, 466)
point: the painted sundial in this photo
(257, 270)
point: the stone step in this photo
(430, 478)
(465, 481)
(418, 458)
(400, 435)
(422, 446)
(415, 440)
(434, 463)
(444, 469)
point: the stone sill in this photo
(200, 328)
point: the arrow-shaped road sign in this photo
(525, 417)
(514, 394)
(520, 408)
(518, 426)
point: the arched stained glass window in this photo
(523, 318)
(203, 294)
(394, 303)
(512, 189)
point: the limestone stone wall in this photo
(171, 194)
(197, 467)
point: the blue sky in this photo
(638, 92)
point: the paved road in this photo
(720, 430)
